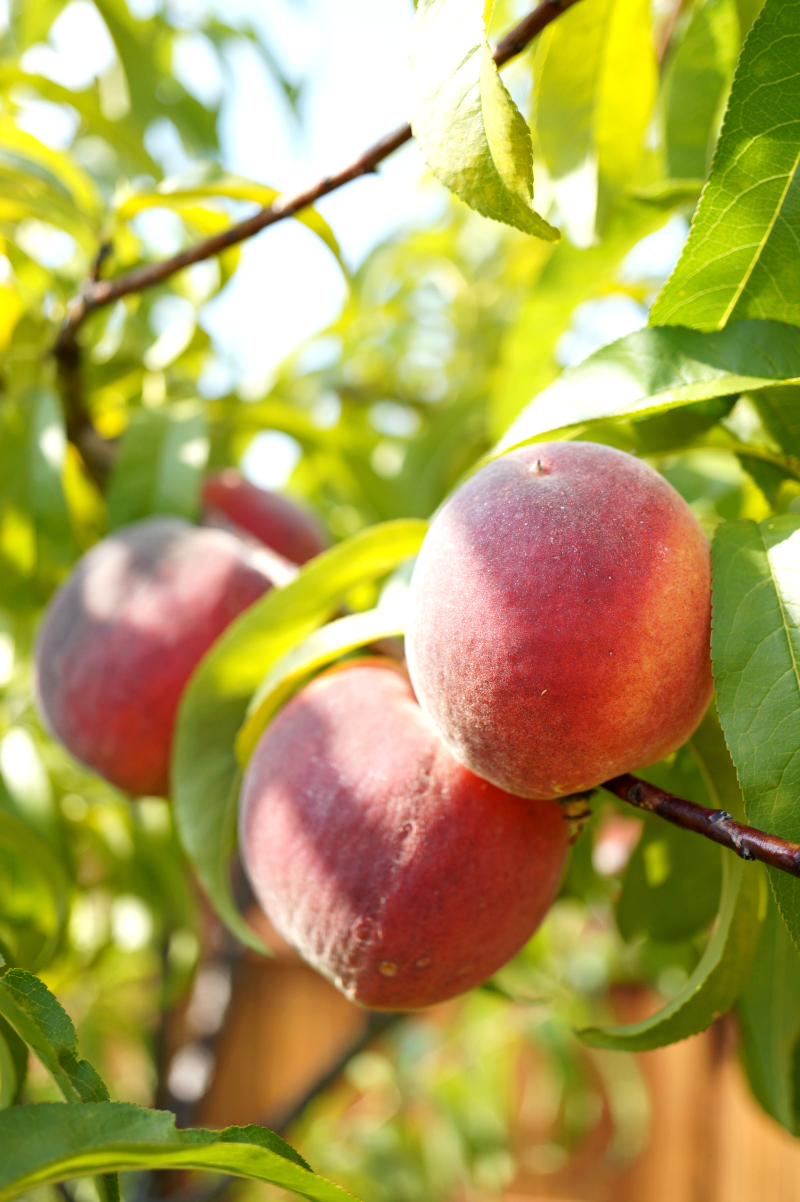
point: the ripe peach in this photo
(274, 520)
(401, 876)
(559, 619)
(124, 633)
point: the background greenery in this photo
(448, 329)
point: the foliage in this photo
(449, 348)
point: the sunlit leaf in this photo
(661, 367)
(205, 771)
(739, 261)
(145, 51)
(470, 132)
(595, 81)
(315, 652)
(204, 181)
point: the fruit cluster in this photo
(401, 827)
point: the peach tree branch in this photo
(97, 293)
(746, 841)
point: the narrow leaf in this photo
(315, 652)
(470, 132)
(769, 1019)
(698, 74)
(740, 259)
(214, 705)
(207, 180)
(718, 979)
(756, 650)
(595, 81)
(49, 1142)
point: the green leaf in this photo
(568, 277)
(769, 1020)
(659, 368)
(31, 22)
(779, 409)
(42, 1023)
(204, 181)
(718, 979)
(768, 476)
(58, 169)
(670, 891)
(471, 134)
(122, 134)
(39, 1020)
(205, 772)
(595, 78)
(740, 259)
(162, 457)
(50, 1142)
(13, 1065)
(711, 754)
(755, 647)
(316, 651)
(34, 891)
(698, 75)
(36, 540)
(145, 52)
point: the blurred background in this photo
(363, 374)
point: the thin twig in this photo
(96, 293)
(746, 841)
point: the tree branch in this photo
(97, 293)
(746, 841)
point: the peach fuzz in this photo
(274, 520)
(126, 630)
(559, 619)
(398, 874)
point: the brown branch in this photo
(97, 293)
(746, 841)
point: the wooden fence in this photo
(709, 1142)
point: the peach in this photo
(274, 520)
(398, 874)
(124, 633)
(559, 619)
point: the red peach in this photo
(124, 633)
(559, 619)
(273, 519)
(401, 876)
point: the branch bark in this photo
(96, 293)
(746, 841)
